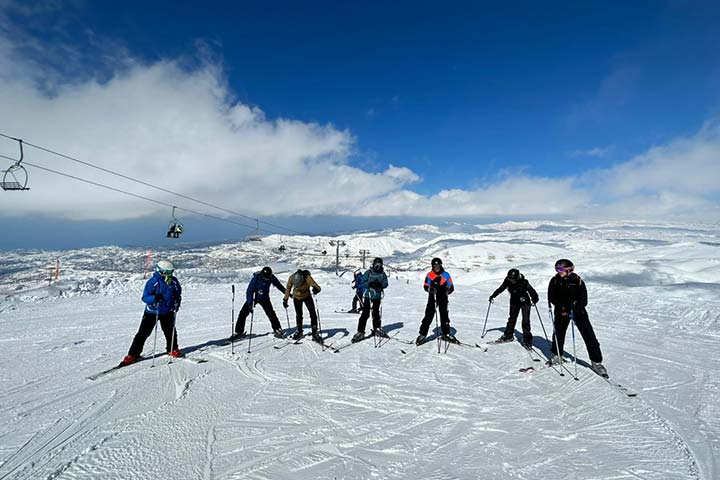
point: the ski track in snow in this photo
(301, 412)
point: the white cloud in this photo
(597, 152)
(180, 128)
(685, 166)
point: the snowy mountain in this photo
(301, 411)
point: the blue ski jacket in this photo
(171, 295)
(258, 289)
(373, 284)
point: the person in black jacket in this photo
(258, 292)
(567, 292)
(521, 296)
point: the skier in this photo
(522, 296)
(300, 283)
(258, 293)
(373, 283)
(567, 292)
(439, 285)
(162, 296)
(357, 286)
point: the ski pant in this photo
(367, 303)
(357, 298)
(582, 322)
(512, 320)
(247, 308)
(147, 325)
(442, 306)
(310, 304)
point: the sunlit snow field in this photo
(301, 412)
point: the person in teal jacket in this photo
(374, 282)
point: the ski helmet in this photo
(436, 261)
(165, 267)
(513, 275)
(564, 265)
(266, 273)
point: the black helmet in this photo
(436, 261)
(564, 265)
(377, 263)
(266, 273)
(513, 275)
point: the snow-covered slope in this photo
(301, 412)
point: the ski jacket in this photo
(373, 283)
(258, 289)
(566, 293)
(299, 283)
(357, 284)
(520, 292)
(171, 294)
(441, 282)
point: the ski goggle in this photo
(560, 269)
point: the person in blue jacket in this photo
(162, 296)
(439, 285)
(357, 286)
(374, 282)
(258, 292)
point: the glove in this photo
(449, 289)
(535, 301)
(491, 299)
(176, 307)
(315, 290)
(285, 303)
(159, 297)
(432, 290)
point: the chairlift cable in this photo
(47, 150)
(159, 202)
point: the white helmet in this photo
(165, 267)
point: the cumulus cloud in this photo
(687, 165)
(175, 123)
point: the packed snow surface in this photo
(304, 412)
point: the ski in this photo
(289, 341)
(105, 372)
(343, 347)
(529, 369)
(620, 388)
(189, 359)
(329, 346)
(347, 311)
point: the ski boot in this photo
(357, 337)
(278, 333)
(316, 336)
(420, 340)
(554, 360)
(505, 338)
(598, 368)
(379, 332)
(527, 343)
(450, 338)
(298, 334)
(175, 353)
(238, 335)
(129, 359)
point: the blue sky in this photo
(434, 109)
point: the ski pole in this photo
(252, 316)
(174, 334)
(572, 320)
(157, 319)
(287, 317)
(437, 328)
(557, 344)
(486, 318)
(541, 322)
(317, 312)
(232, 323)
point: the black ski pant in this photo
(442, 307)
(310, 304)
(147, 325)
(512, 320)
(377, 320)
(582, 322)
(247, 308)
(357, 298)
